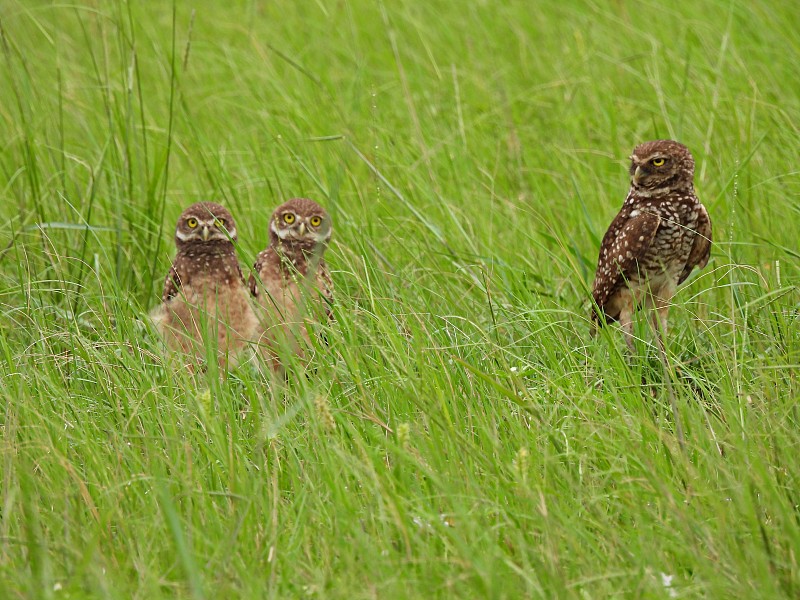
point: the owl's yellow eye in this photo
(658, 162)
(219, 223)
(192, 223)
(315, 221)
(288, 218)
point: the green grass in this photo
(462, 436)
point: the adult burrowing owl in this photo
(290, 279)
(205, 300)
(661, 233)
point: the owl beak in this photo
(302, 229)
(205, 233)
(637, 175)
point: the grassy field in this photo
(462, 436)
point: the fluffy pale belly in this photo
(196, 320)
(286, 311)
(653, 283)
(662, 265)
(660, 284)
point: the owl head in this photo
(660, 167)
(300, 223)
(205, 222)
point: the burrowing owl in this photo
(291, 281)
(661, 233)
(205, 300)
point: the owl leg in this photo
(289, 345)
(660, 326)
(270, 353)
(625, 302)
(661, 301)
(626, 322)
(230, 347)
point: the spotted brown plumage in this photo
(661, 233)
(205, 300)
(290, 280)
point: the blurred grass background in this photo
(461, 436)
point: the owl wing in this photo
(172, 283)
(325, 285)
(701, 247)
(239, 270)
(625, 243)
(253, 281)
